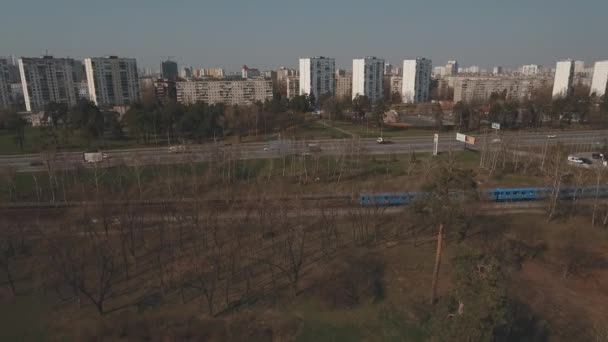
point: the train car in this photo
(387, 199)
(517, 194)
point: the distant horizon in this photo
(268, 34)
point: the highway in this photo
(280, 148)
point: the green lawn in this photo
(34, 142)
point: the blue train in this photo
(496, 195)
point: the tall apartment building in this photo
(416, 80)
(530, 69)
(281, 80)
(451, 68)
(368, 78)
(388, 69)
(292, 84)
(579, 66)
(479, 89)
(564, 78)
(247, 72)
(497, 70)
(317, 76)
(344, 84)
(230, 92)
(112, 80)
(600, 78)
(396, 85)
(47, 79)
(169, 70)
(5, 87)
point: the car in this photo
(496, 141)
(576, 160)
(551, 136)
(105, 155)
(266, 148)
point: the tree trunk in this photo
(437, 264)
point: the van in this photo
(575, 160)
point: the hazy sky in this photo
(270, 33)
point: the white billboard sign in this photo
(495, 125)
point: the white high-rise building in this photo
(5, 87)
(112, 81)
(317, 76)
(564, 77)
(600, 78)
(530, 69)
(47, 79)
(368, 78)
(416, 80)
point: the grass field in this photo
(34, 142)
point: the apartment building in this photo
(169, 70)
(416, 80)
(451, 68)
(396, 85)
(230, 92)
(600, 78)
(479, 89)
(247, 72)
(344, 84)
(368, 78)
(5, 86)
(47, 79)
(113, 81)
(317, 76)
(292, 84)
(564, 78)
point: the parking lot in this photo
(588, 160)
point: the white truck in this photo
(93, 157)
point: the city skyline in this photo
(264, 35)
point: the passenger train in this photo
(496, 195)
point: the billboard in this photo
(495, 125)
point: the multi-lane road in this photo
(275, 149)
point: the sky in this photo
(270, 33)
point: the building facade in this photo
(564, 78)
(600, 78)
(396, 85)
(169, 70)
(247, 72)
(344, 85)
(292, 84)
(368, 78)
(230, 92)
(112, 81)
(451, 68)
(47, 79)
(317, 76)
(5, 86)
(479, 89)
(530, 69)
(416, 80)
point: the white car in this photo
(551, 136)
(495, 141)
(575, 160)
